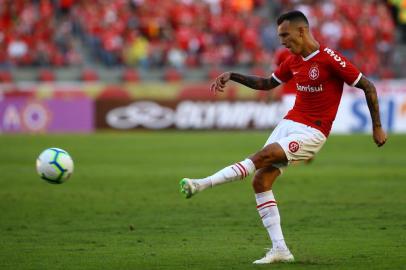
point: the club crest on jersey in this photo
(314, 73)
(294, 146)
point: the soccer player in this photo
(318, 74)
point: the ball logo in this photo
(313, 73)
(293, 147)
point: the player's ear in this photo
(301, 31)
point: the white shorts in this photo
(300, 142)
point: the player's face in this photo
(291, 36)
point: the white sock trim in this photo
(264, 197)
(248, 165)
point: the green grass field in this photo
(122, 208)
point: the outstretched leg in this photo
(267, 156)
(263, 162)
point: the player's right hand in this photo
(220, 83)
(379, 136)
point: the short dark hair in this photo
(295, 15)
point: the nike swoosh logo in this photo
(295, 72)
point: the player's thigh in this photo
(303, 144)
(269, 155)
(280, 131)
(298, 141)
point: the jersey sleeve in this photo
(283, 73)
(343, 68)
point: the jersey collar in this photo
(310, 56)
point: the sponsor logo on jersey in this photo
(309, 88)
(314, 73)
(335, 57)
(294, 146)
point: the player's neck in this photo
(310, 47)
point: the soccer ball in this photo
(54, 165)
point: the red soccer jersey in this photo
(318, 81)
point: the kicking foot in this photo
(276, 255)
(188, 187)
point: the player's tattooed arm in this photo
(372, 100)
(254, 82)
(379, 134)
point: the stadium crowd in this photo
(185, 33)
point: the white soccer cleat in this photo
(276, 255)
(188, 187)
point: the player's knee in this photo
(266, 157)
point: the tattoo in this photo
(372, 100)
(254, 82)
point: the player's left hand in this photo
(379, 136)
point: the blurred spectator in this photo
(187, 33)
(136, 50)
(17, 49)
(399, 10)
(176, 57)
(32, 34)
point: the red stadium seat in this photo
(130, 75)
(89, 75)
(46, 75)
(172, 75)
(6, 77)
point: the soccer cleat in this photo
(188, 187)
(276, 255)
